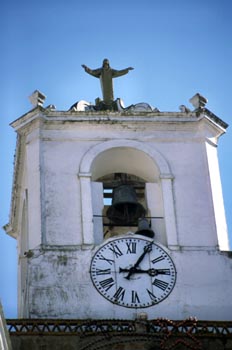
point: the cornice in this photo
(54, 117)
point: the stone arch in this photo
(155, 168)
(86, 166)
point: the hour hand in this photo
(150, 272)
(123, 270)
(130, 271)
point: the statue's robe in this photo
(106, 77)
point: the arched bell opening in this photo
(124, 202)
(126, 187)
(140, 164)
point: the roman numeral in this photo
(163, 271)
(101, 257)
(160, 284)
(152, 296)
(114, 248)
(159, 258)
(131, 247)
(103, 272)
(134, 297)
(107, 283)
(119, 295)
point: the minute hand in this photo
(133, 269)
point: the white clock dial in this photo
(133, 272)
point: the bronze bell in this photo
(125, 209)
(144, 228)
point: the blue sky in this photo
(177, 48)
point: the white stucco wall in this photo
(62, 159)
(62, 156)
(193, 201)
(217, 196)
(61, 287)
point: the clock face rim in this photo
(126, 238)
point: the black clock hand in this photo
(146, 249)
(150, 272)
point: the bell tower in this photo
(118, 211)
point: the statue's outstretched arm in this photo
(119, 73)
(94, 72)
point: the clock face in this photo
(133, 272)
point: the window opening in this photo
(107, 196)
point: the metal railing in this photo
(158, 326)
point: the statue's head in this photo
(106, 63)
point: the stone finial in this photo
(198, 101)
(37, 98)
(184, 109)
(51, 107)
